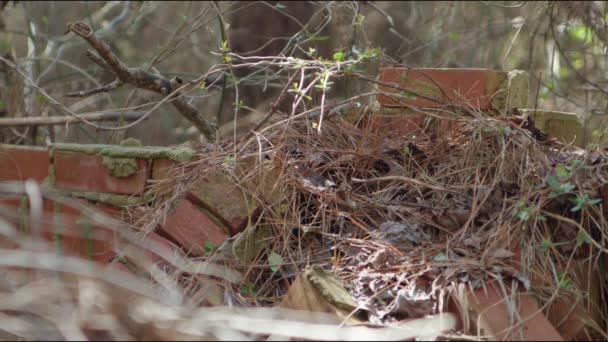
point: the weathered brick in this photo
(157, 248)
(395, 123)
(77, 171)
(566, 127)
(191, 228)
(480, 88)
(73, 233)
(18, 163)
(221, 197)
(161, 168)
(219, 194)
(493, 312)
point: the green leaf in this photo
(568, 187)
(338, 56)
(581, 33)
(209, 247)
(247, 289)
(582, 237)
(561, 172)
(545, 245)
(523, 215)
(275, 260)
(440, 257)
(230, 160)
(452, 36)
(552, 182)
(563, 281)
(279, 5)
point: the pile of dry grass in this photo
(407, 223)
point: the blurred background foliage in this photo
(562, 45)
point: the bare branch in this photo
(143, 79)
(64, 119)
(104, 89)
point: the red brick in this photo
(120, 268)
(444, 85)
(157, 248)
(393, 126)
(69, 231)
(76, 171)
(218, 194)
(491, 312)
(191, 228)
(20, 163)
(161, 168)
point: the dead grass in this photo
(406, 223)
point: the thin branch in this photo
(64, 119)
(103, 89)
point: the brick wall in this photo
(109, 179)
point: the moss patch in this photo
(120, 167)
(144, 152)
(132, 142)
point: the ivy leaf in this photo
(561, 172)
(567, 187)
(582, 237)
(552, 182)
(275, 260)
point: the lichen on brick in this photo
(116, 200)
(512, 90)
(251, 242)
(131, 142)
(330, 288)
(141, 152)
(120, 167)
(49, 180)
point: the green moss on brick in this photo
(132, 142)
(120, 167)
(143, 152)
